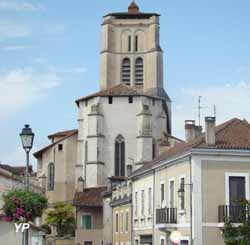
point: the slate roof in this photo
(232, 134)
(67, 135)
(90, 197)
(124, 90)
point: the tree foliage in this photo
(23, 205)
(238, 234)
(62, 216)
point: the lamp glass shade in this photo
(27, 137)
(181, 191)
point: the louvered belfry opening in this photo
(126, 70)
(139, 71)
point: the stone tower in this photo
(131, 52)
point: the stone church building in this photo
(121, 127)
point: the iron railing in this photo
(166, 216)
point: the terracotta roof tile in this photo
(62, 133)
(122, 90)
(38, 153)
(232, 134)
(17, 170)
(90, 197)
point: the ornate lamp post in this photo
(27, 138)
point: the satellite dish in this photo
(175, 237)
(163, 204)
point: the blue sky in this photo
(49, 54)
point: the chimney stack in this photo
(210, 131)
(191, 130)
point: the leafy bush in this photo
(238, 235)
(23, 205)
(63, 218)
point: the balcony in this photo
(230, 212)
(166, 216)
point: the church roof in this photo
(121, 90)
(232, 135)
(61, 133)
(133, 13)
(90, 197)
(68, 134)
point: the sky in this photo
(49, 57)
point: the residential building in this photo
(197, 184)
(121, 204)
(11, 177)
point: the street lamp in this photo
(27, 138)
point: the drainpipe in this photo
(153, 189)
(132, 214)
(191, 201)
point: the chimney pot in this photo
(210, 131)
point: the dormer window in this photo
(139, 71)
(126, 71)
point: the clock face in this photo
(27, 141)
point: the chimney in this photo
(191, 130)
(210, 131)
(80, 184)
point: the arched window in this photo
(51, 176)
(126, 71)
(139, 71)
(119, 156)
(153, 149)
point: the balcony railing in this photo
(166, 216)
(231, 212)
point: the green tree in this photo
(238, 235)
(62, 216)
(22, 205)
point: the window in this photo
(60, 147)
(142, 202)
(150, 201)
(182, 197)
(139, 71)
(162, 193)
(119, 156)
(129, 43)
(86, 151)
(130, 99)
(86, 103)
(51, 176)
(162, 241)
(110, 100)
(126, 71)
(136, 43)
(122, 222)
(117, 222)
(87, 221)
(184, 242)
(171, 193)
(126, 221)
(237, 190)
(136, 204)
(88, 243)
(153, 149)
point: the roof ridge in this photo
(226, 124)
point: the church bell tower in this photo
(131, 52)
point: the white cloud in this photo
(231, 100)
(19, 5)
(76, 69)
(14, 48)
(8, 29)
(20, 88)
